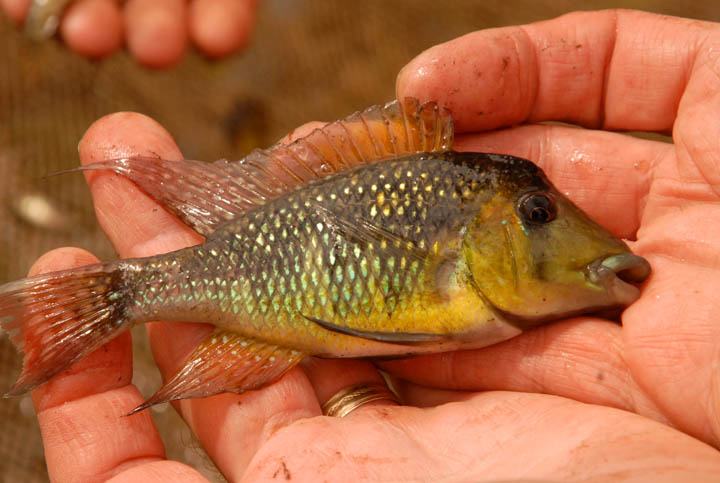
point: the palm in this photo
(659, 364)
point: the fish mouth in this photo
(617, 274)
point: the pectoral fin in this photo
(226, 362)
(392, 337)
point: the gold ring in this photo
(349, 399)
(43, 18)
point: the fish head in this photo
(535, 257)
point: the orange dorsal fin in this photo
(205, 195)
(226, 362)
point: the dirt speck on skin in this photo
(600, 375)
(505, 61)
(383, 412)
(282, 471)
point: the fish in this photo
(368, 238)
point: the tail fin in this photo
(57, 318)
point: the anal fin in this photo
(226, 362)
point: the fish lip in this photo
(617, 273)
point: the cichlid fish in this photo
(367, 238)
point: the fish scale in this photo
(337, 277)
(366, 238)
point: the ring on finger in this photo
(43, 18)
(351, 398)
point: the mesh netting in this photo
(311, 60)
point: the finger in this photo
(608, 175)
(138, 227)
(81, 411)
(156, 31)
(581, 359)
(422, 396)
(93, 28)
(329, 377)
(221, 27)
(301, 131)
(611, 69)
(695, 175)
(135, 224)
(15, 9)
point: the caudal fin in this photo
(57, 318)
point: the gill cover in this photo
(529, 250)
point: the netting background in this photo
(309, 60)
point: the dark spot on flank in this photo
(600, 375)
(577, 46)
(505, 61)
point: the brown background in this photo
(308, 60)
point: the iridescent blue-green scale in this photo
(352, 250)
(346, 248)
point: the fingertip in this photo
(411, 79)
(484, 78)
(157, 31)
(15, 9)
(93, 28)
(124, 134)
(132, 220)
(301, 132)
(221, 27)
(62, 259)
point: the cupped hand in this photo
(619, 71)
(157, 32)
(499, 78)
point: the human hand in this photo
(278, 432)
(156, 31)
(611, 70)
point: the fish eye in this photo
(537, 208)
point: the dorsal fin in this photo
(205, 195)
